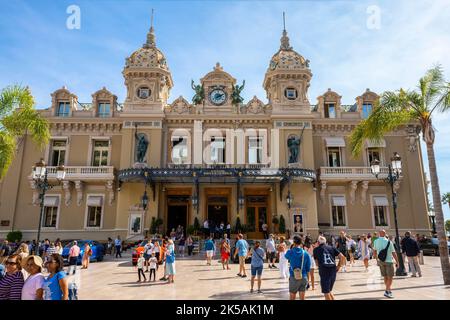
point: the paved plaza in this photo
(116, 279)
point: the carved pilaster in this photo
(79, 188)
(353, 187)
(323, 188)
(364, 188)
(35, 198)
(67, 193)
(110, 189)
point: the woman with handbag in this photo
(86, 255)
(257, 264)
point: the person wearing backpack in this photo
(384, 251)
(325, 256)
(299, 267)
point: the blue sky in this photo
(37, 49)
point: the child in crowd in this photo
(153, 266)
(140, 267)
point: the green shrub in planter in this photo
(238, 226)
(190, 230)
(282, 226)
(14, 236)
(196, 224)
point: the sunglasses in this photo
(11, 263)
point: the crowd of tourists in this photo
(36, 272)
(299, 259)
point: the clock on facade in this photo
(217, 97)
(143, 92)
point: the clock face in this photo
(218, 97)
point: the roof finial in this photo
(285, 39)
(150, 35)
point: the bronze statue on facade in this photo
(199, 96)
(236, 98)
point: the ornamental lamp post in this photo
(144, 200)
(289, 199)
(40, 177)
(432, 216)
(394, 173)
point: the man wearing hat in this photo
(33, 287)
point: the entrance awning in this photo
(335, 141)
(219, 174)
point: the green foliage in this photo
(275, 220)
(190, 230)
(397, 108)
(446, 198)
(196, 224)
(447, 225)
(14, 236)
(282, 226)
(18, 117)
(238, 226)
(154, 225)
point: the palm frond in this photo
(431, 85)
(7, 151)
(443, 103)
(392, 110)
(13, 97)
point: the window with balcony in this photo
(100, 153)
(380, 211)
(50, 218)
(58, 152)
(94, 212)
(330, 110)
(63, 109)
(255, 150)
(334, 157)
(218, 149)
(104, 110)
(372, 154)
(179, 150)
(366, 110)
(338, 211)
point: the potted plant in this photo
(275, 222)
(282, 226)
(196, 226)
(238, 226)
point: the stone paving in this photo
(115, 279)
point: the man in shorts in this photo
(298, 259)
(386, 266)
(257, 264)
(325, 258)
(271, 251)
(241, 251)
(209, 248)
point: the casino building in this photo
(217, 158)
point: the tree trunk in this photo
(440, 224)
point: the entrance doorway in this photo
(177, 213)
(217, 211)
(256, 215)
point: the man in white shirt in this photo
(271, 250)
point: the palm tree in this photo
(402, 107)
(446, 198)
(18, 117)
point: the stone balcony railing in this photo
(351, 173)
(83, 173)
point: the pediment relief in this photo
(369, 96)
(218, 75)
(331, 96)
(103, 94)
(255, 106)
(179, 106)
(63, 93)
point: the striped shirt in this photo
(11, 286)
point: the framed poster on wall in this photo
(297, 221)
(135, 224)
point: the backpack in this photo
(382, 255)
